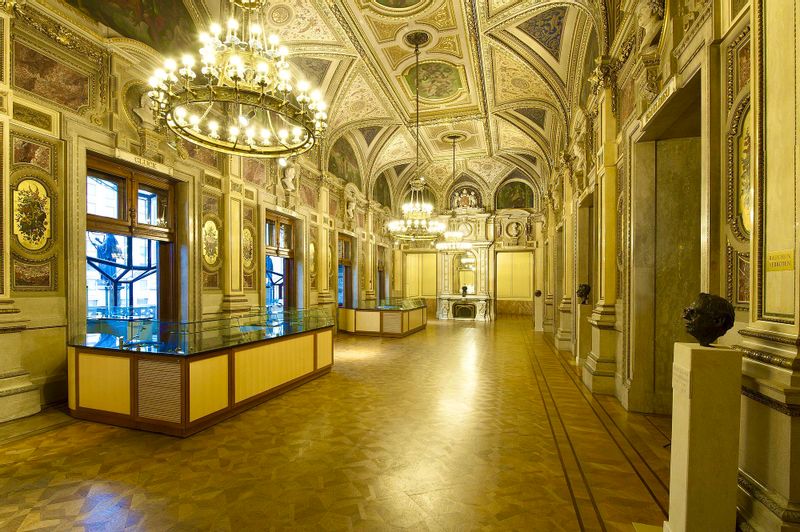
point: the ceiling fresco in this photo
(506, 74)
(164, 26)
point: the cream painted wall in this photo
(515, 275)
(420, 275)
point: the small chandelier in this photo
(242, 98)
(417, 224)
(453, 240)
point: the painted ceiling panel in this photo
(547, 29)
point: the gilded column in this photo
(599, 370)
(769, 453)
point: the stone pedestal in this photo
(583, 335)
(19, 397)
(600, 367)
(564, 333)
(706, 397)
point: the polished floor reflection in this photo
(462, 426)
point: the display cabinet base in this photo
(386, 323)
(183, 431)
(182, 395)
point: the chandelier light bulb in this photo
(215, 30)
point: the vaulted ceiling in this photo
(505, 74)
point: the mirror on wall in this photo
(465, 267)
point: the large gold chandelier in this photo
(238, 96)
(417, 223)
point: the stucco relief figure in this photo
(650, 18)
(288, 179)
(708, 318)
(145, 112)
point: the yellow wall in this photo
(515, 275)
(420, 275)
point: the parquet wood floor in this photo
(463, 426)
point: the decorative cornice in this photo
(759, 493)
(769, 358)
(769, 402)
(772, 336)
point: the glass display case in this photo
(389, 317)
(178, 378)
(137, 332)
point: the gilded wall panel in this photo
(211, 240)
(36, 212)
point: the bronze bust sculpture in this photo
(708, 318)
(583, 293)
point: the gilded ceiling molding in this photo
(476, 50)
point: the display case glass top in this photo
(134, 333)
(404, 303)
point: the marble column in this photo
(326, 293)
(599, 369)
(769, 449)
(565, 304)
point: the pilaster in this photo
(769, 453)
(564, 333)
(600, 366)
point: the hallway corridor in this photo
(462, 426)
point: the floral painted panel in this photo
(210, 242)
(164, 26)
(32, 214)
(515, 195)
(745, 175)
(49, 79)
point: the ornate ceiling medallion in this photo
(243, 100)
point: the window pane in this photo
(102, 197)
(121, 276)
(152, 206)
(276, 281)
(286, 236)
(270, 234)
(342, 279)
